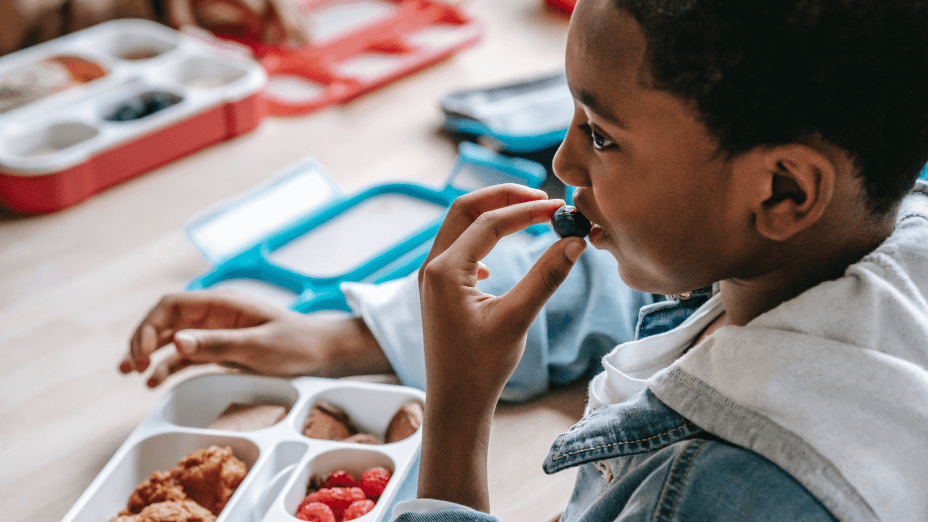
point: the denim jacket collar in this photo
(637, 425)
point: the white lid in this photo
(238, 224)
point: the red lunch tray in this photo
(404, 37)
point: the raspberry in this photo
(311, 497)
(374, 481)
(340, 479)
(316, 512)
(358, 508)
(339, 498)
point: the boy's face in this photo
(663, 201)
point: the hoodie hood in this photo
(831, 386)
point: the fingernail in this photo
(185, 342)
(574, 248)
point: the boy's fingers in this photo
(486, 231)
(467, 208)
(155, 331)
(524, 301)
(217, 345)
(168, 367)
(290, 18)
(180, 13)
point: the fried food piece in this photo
(210, 476)
(169, 511)
(161, 486)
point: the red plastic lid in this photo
(356, 46)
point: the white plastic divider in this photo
(281, 460)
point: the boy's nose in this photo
(568, 162)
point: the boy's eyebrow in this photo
(586, 98)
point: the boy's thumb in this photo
(545, 276)
(201, 343)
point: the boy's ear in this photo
(797, 186)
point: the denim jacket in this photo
(640, 460)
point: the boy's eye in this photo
(599, 141)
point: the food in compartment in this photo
(143, 105)
(405, 421)
(206, 478)
(363, 438)
(29, 83)
(140, 53)
(341, 497)
(329, 422)
(170, 511)
(239, 416)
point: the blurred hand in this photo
(237, 332)
(271, 21)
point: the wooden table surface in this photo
(75, 282)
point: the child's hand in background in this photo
(473, 341)
(271, 21)
(237, 332)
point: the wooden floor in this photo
(74, 283)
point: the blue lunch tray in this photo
(265, 237)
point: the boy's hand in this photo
(473, 341)
(271, 21)
(237, 332)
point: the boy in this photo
(772, 146)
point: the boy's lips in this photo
(595, 231)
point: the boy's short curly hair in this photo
(770, 72)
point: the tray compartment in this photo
(47, 77)
(267, 481)
(158, 453)
(370, 408)
(354, 461)
(336, 20)
(138, 46)
(206, 73)
(197, 402)
(49, 140)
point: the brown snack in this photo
(405, 421)
(248, 417)
(169, 511)
(210, 476)
(201, 484)
(364, 438)
(328, 422)
(161, 486)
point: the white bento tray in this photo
(72, 122)
(280, 459)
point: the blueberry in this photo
(130, 110)
(158, 101)
(568, 221)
